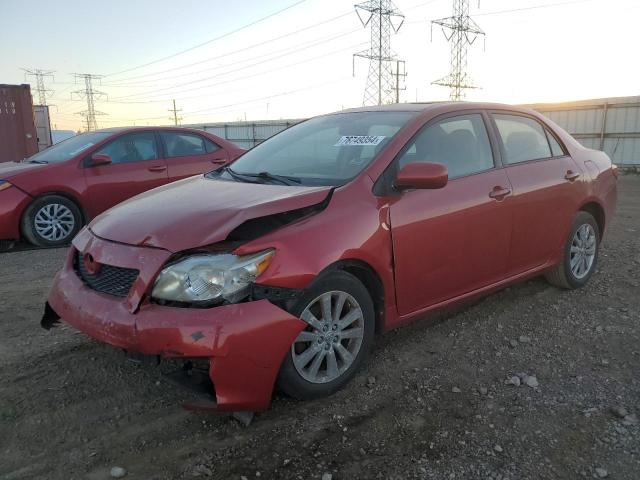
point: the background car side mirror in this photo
(98, 159)
(422, 175)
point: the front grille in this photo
(111, 280)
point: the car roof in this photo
(444, 106)
(149, 127)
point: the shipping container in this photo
(18, 137)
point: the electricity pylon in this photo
(384, 18)
(40, 89)
(461, 31)
(91, 96)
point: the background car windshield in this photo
(327, 150)
(69, 148)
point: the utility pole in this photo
(397, 74)
(176, 119)
(384, 18)
(91, 96)
(461, 31)
(40, 87)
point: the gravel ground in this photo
(431, 403)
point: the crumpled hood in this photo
(197, 211)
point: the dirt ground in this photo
(431, 402)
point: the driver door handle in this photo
(499, 192)
(157, 168)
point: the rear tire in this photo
(579, 255)
(51, 221)
(328, 353)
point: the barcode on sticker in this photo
(359, 140)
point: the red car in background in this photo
(48, 197)
(282, 266)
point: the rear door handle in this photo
(499, 192)
(157, 168)
(219, 161)
(571, 176)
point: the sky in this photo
(259, 60)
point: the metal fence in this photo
(609, 124)
(247, 134)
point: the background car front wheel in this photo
(325, 356)
(580, 254)
(51, 221)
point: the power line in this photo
(91, 96)
(40, 75)
(263, 72)
(255, 45)
(207, 111)
(255, 22)
(533, 7)
(287, 51)
(463, 31)
(243, 49)
(381, 17)
(182, 85)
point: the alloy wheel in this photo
(54, 222)
(330, 344)
(583, 251)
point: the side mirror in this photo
(98, 159)
(422, 175)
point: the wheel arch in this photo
(66, 195)
(596, 210)
(371, 281)
(69, 196)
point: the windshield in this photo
(68, 148)
(327, 150)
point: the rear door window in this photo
(523, 138)
(461, 143)
(132, 147)
(178, 144)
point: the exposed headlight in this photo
(207, 278)
(4, 185)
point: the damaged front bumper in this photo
(245, 342)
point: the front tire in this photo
(51, 221)
(580, 254)
(326, 355)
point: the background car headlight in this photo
(207, 278)
(4, 185)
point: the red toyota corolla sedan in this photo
(282, 266)
(48, 197)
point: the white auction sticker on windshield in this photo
(349, 140)
(82, 148)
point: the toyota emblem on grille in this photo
(90, 264)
